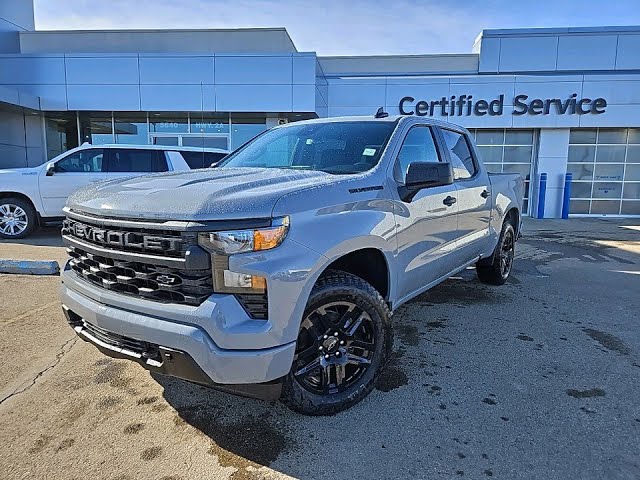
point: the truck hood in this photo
(199, 195)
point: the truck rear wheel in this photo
(17, 218)
(497, 272)
(344, 342)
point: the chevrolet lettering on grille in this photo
(120, 239)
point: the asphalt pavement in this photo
(537, 379)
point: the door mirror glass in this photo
(51, 168)
(424, 175)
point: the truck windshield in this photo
(332, 147)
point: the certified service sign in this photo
(466, 105)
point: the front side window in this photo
(418, 146)
(460, 154)
(332, 147)
(137, 160)
(85, 161)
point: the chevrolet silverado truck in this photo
(275, 274)
(35, 196)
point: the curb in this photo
(29, 267)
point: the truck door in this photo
(473, 195)
(76, 170)
(426, 225)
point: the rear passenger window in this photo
(460, 154)
(137, 160)
(201, 159)
(418, 146)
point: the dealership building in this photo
(553, 100)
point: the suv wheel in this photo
(497, 272)
(344, 342)
(17, 218)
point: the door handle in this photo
(485, 193)
(449, 201)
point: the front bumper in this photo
(194, 355)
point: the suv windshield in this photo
(332, 147)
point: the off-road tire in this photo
(494, 272)
(336, 286)
(27, 208)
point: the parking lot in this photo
(538, 379)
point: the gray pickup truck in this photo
(274, 274)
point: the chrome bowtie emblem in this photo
(166, 279)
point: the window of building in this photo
(205, 141)
(605, 163)
(96, 127)
(418, 146)
(137, 160)
(131, 128)
(244, 128)
(85, 161)
(173, 122)
(508, 151)
(209, 123)
(61, 131)
(459, 154)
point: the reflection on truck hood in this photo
(211, 194)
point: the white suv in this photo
(35, 196)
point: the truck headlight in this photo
(241, 241)
(223, 244)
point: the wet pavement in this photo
(536, 379)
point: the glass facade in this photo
(96, 128)
(64, 130)
(605, 164)
(61, 132)
(131, 128)
(508, 151)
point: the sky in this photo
(347, 27)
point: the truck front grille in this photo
(162, 284)
(160, 242)
(114, 339)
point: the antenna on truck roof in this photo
(381, 113)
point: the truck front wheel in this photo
(344, 342)
(497, 271)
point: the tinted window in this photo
(201, 159)
(333, 147)
(137, 160)
(461, 159)
(90, 160)
(418, 146)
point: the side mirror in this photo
(424, 175)
(51, 168)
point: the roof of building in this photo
(183, 41)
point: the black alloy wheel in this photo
(343, 344)
(507, 252)
(496, 269)
(335, 347)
